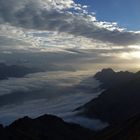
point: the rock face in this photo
(119, 101)
(46, 127)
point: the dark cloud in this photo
(8, 71)
(31, 15)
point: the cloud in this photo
(38, 82)
(52, 100)
(5, 41)
(64, 17)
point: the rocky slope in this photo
(128, 130)
(119, 101)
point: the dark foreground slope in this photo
(128, 130)
(50, 127)
(119, 101)
(46, 127)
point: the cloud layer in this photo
(63, 16)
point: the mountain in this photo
(119, 101)
(49, 127)
(109, 78)
(118, 104)
(128, 130)
(46, 127)
(7, 71)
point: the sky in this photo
(70, 34)
(124, 12)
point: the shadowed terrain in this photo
(128, 130)
(119, 101)
(46, 127)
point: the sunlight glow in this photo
(130, 55)
(134, 47)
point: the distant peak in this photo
(104, 72)
(108, 70)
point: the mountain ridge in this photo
(118, 101)
(47, 127)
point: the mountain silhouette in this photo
(46, 127)
(128, 130)
(119, 101)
